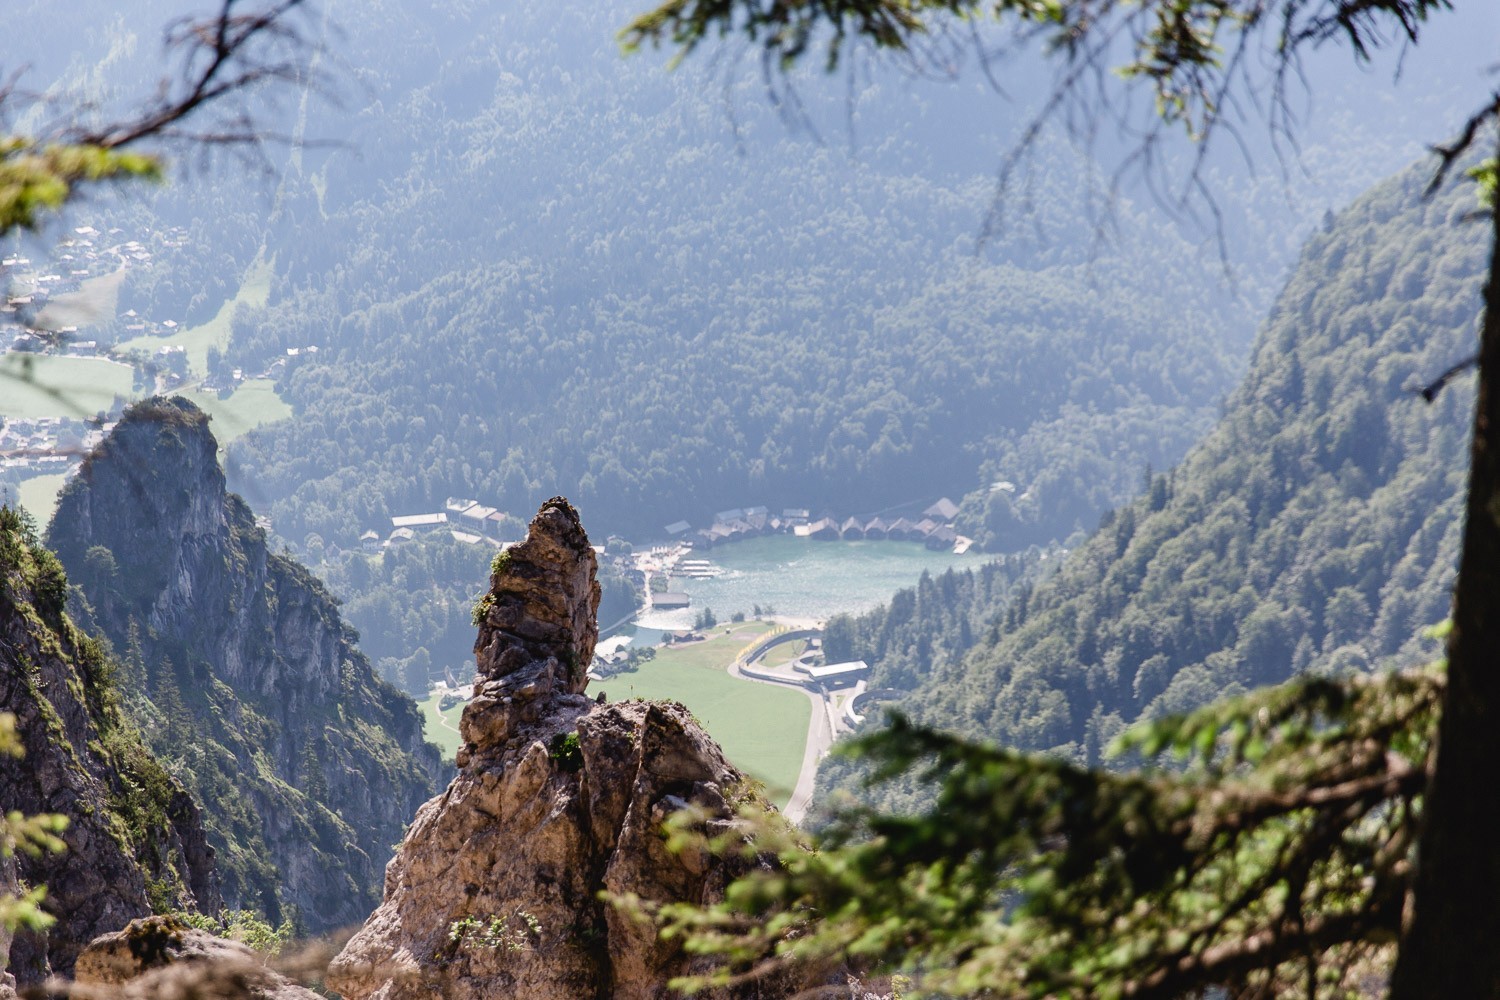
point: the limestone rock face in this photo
(133, 834)
(494, 892)
(160, 959)
(307, 764)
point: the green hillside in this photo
(1316, 528)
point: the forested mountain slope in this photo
(553, 270)
(764, 298)
(763, 301)
(1316, 528)
(249, 683)
(135, 840)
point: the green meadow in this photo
(762, 727)
(441, 728)
(33, 386)
(254, 291)
(254, 403)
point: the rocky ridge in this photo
(308, 765)
(495, 890)
(134, 840)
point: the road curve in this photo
(819, 739)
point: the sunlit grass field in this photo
(445, 737)
(762, 728)
(39, 496)
(254, 291)
(33, 386)
(254, 403)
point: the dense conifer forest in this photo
(1314, 530)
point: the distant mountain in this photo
(551, 269)
(1316, 528)
(248, 681)
(135, 840)
(760, 300)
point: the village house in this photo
(478, 518)
(420, 522)
(944, 510)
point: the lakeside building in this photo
(824, 530)
(900, 530)
(944, 510)
(941, 537)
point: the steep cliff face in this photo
(494, 892)
(307, 763)
(134, 839)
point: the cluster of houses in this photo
(732, 525)
(26, 289)
(466, 520)
(46, 444)
(87, 253)
(934, 528)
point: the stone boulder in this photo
(161, 958)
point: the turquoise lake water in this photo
(802, 578)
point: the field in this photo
(783, 653)
(254, 403)
(34, 386)
(762, 727)
(94, 302)
(39, 496)
(255, 290)
(441, 728)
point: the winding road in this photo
(820, 734)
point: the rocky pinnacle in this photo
(537, 628)
(498, 889)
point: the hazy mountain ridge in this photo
(308, 765)
(754, 317)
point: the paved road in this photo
(819, 739)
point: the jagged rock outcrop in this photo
(160, 958)
(308, 764)
(134, 839)
(495, 890)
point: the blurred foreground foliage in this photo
(1261, 845)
